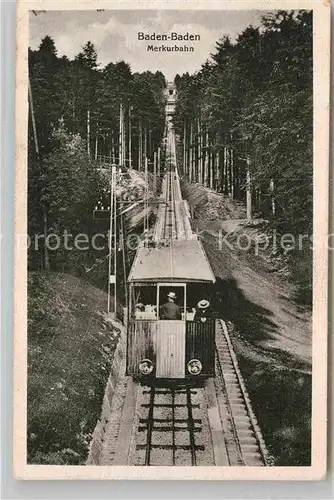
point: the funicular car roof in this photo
(179, 260)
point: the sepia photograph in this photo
(174, 245)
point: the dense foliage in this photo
(246, 121)
(82, 116)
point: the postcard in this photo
(171, 239)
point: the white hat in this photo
(172, 295)
(203, 304)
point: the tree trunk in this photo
(185, 172)
(150, 143)
(140, 145)
(217, 172)
(130, 140)
(113, 148)
(206, 161)
(145, 142)
(155, 173)
(46, 250)
(232, 172)
(88, 133)
(248, 191)
(225, 173)
(96, 143)
(228, 170)
(199, 153)
(273, 203)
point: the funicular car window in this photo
(144, 302)
(199, 300)
(171, 302)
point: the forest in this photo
(245, 122)
(81, 117)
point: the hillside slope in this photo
(70, 349)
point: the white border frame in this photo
(321, 46)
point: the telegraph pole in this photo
(115, 246)
(146, 197)
(130, 140)
(121, 131)
(112, 240)
(159, 160)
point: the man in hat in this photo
(170, 310)
(203, 311)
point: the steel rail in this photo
(255, 427)
(191, 428)
(150, 425)
(173, 424)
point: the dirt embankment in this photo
(270, 333)
(253, 289)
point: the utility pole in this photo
(112, 151)
(146, 198)
(159, 161)
(121, 130)
(112, 240)
(122, 239)
(123, 138)
(115, 245)
(130, 140)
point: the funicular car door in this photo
(171, 336)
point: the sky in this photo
(115, 35)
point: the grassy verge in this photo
(70, 350)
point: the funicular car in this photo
(181, 345)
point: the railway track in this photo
(211, 424)
(169, 429)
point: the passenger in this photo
(203, 311)
(170, 310)
(139, 308)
